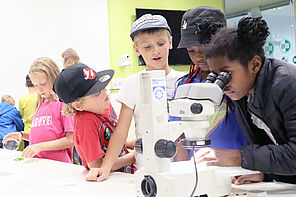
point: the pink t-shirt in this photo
(49, 124)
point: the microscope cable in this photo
(196, 176)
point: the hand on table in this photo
(254, 178)
(97, 174)
(202, 153)
(32, 150)
(226, 157)
(219, 157)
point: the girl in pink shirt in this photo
(51, 132)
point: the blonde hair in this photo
(70, 57)
(69, 110)
(8, 99)
(49, 67)
(150, 31)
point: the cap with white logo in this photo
(191, 21)
(78, 80)
(184, 26)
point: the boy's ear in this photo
(76, 106)
(255, 64)
(137, 50)
(171, 42)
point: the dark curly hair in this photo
(240, 44)
(206, 28)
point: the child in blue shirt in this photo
(10, 118)
(197, 27)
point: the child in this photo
(51, 132)
(202, 23)
(84, 92)
(152, 40)
(10, 118)
(27, 106)
(264, 93)
(69, 57)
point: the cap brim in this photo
(188, 40)
(103, 79)
(132, 35)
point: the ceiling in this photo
(235, 8)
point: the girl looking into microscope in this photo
(264, 92)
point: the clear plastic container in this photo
(11, 144)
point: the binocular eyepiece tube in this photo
(220, 79)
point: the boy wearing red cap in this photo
(84, 92)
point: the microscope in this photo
(194, 103)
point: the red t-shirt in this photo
(92, 133)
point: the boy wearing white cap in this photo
(152, 39)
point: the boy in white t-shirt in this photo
(152, 39)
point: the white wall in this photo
(280, 21)
(34, 28)
(236, 7)
(281, 24)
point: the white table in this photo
(273, 189)
(41, 177)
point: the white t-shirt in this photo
(129, 94)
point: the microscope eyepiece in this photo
(211, 77)
(222, 79)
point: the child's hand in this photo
(222, 157)
(238, 180)
(97, 174)
(92, 175)
(14, 135)
(130, 144)
(203, 154)
(32, 150)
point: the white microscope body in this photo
(194, 103)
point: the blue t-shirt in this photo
(10, 120)
(224, 133)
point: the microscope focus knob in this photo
(196, 108)
(165, 148)
(139, 146)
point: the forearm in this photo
(118, 138)
(119, 162)
(59, 144)
(124, 161)
(182, 154)
(95, 164)
(116, 142)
